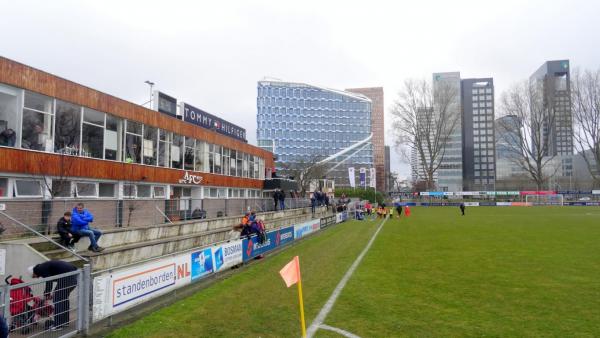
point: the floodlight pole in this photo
(151, 84)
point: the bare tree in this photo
(585, 100)
(528, 134)
(305, 172)
(54, 173)
(424, 119)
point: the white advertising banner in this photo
(351, 177)
(471, 204)
(303, 229)
(503, 204)
(595, 192)
(123, 289)
(227, 255)
(373, 178)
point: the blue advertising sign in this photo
(203, 119)
(285, 235)
(252, 248)
(202, 263)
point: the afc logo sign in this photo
(191, 179)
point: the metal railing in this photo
(56, 306)
(42, 215)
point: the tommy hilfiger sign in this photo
(203, 119)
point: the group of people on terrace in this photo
(76, 224)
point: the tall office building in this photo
(304, 123)
(450, 176)
(478, 161)
(507, 140)
(555, 78)
(378, 130)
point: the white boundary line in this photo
(340, 331)
(338, 289)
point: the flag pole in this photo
(300, 300)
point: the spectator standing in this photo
(60, 294)
(282, 200)
(63, 227)
(326, 198)
(275, 199)
(80, 220)
(3, 327)
(313, 202)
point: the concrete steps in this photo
(129, 245)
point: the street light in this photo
(151, 84)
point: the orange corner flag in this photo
(291, 272)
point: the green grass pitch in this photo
(498, 271)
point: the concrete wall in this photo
(18, 258)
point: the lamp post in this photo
(151, 84)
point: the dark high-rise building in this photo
(555, 77)
(479, 161)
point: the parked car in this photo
(585, 199)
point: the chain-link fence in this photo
(42, 215)
(56, 306)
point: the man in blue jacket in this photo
(80, 220)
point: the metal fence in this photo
(42, 215)
(50, 307)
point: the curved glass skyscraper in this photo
(303, 124)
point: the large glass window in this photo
(150, 152)
(37, 122)
(177, 152)
(28, 188)
(217, 164)
(86, 189)
(240, 161)
(164, 148)
(201, 164)
(225, 161)
(211, 158)
(8, 116)
(159, 192)
(67, 129)
(61, 188)
(106, 190)
(92, 133)
(112, 138)
(133, 142)
(233, 161)
(129, 190)
(144, 191)
(189, 153)
(3, 187)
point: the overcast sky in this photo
(211, 53)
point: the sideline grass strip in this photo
(500, 272)
(255, 302)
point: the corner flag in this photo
(291, 275)
(407, 211)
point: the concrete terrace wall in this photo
(129, 245)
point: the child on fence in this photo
(63, 227)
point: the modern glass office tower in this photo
(303, 124)
(450, 175)
(555, 78)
